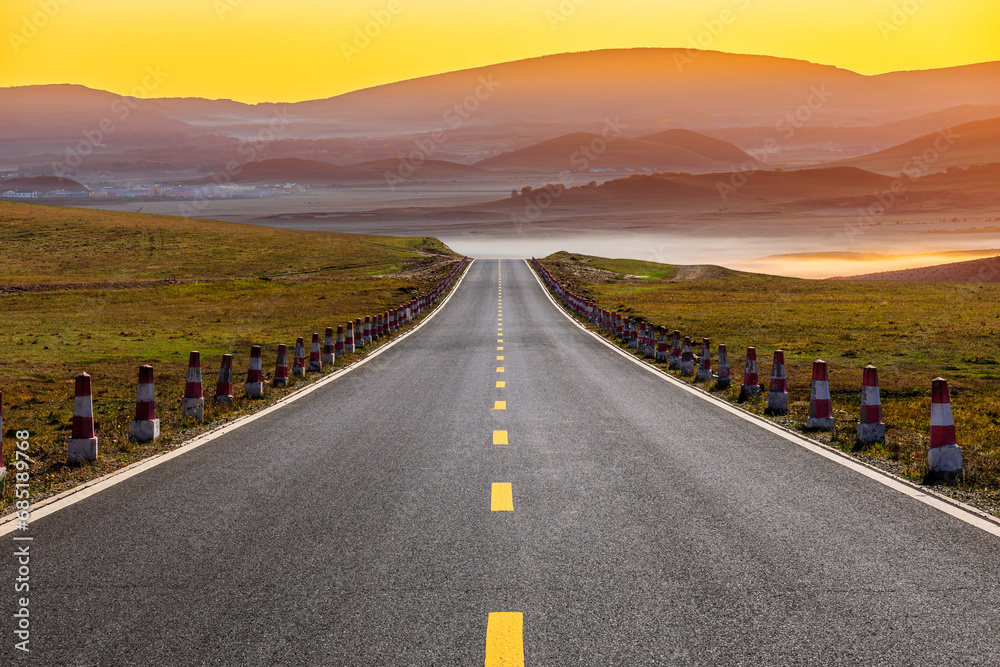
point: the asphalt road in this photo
(649, 527)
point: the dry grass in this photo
(912, 331)
(149, 289)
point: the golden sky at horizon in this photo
(266, 50)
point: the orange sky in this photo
(266, 50)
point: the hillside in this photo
(293, 170)
(573, 152)
(986, 270)
(42, 184)
(715, 149)
(967, 144)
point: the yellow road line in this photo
(499, 405)
(499, 357)
(501, 384)
(500, 438)
(499, 369)
(499, 340)
(502, 497)
(500, 348)
(505, 639)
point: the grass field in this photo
(913, 332)
(107, 292)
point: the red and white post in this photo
(224, 387)
(944, 456)
(723, 380)
(281, 367)
(145, 426)
(193, 405)
(3, 464)
(328, 354)
(871, 428)
(675, 352)
(254, 386)
(299, 361)
(83, 440)
(820, 408)
(339, 347)
(777, 395)
(705, 365)
(315, 359)
(751, 380)
(662, 353)
(349, 339)
(359, 338)
(687, 358)
(366, 333)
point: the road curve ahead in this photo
(500, 488)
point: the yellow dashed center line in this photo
(501, 384)
(500, 438)
(500, 405)
(499, 357)
(502, 497)
(505, 639)
(499, 340)
(499, 369)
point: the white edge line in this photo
(8, 523)
(957, 509)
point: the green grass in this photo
(107, 292)
(913, 332)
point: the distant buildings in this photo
(14, 194)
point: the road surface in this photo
(369, 523)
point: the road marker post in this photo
(687, 358)
(944, 456)
(145, 426)
(281, 367)
(299, 361)
(254, 386)
(820, 408)
(751, 381)
(723, 380)
(675, 352)
(705, 364)
(871, 428)
(83, 439)
(328, 350)
(193, 403)
(777, 395)
(224, 386)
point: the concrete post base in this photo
(254, 389)
(315, 367)
(687, 368)
(193, 408)
(145, 430)
(819, 423)
(869, 433)
(280, 382)
(777, 403)
(327, 359)
(747, 392)
(945, 463)
(82, 449)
